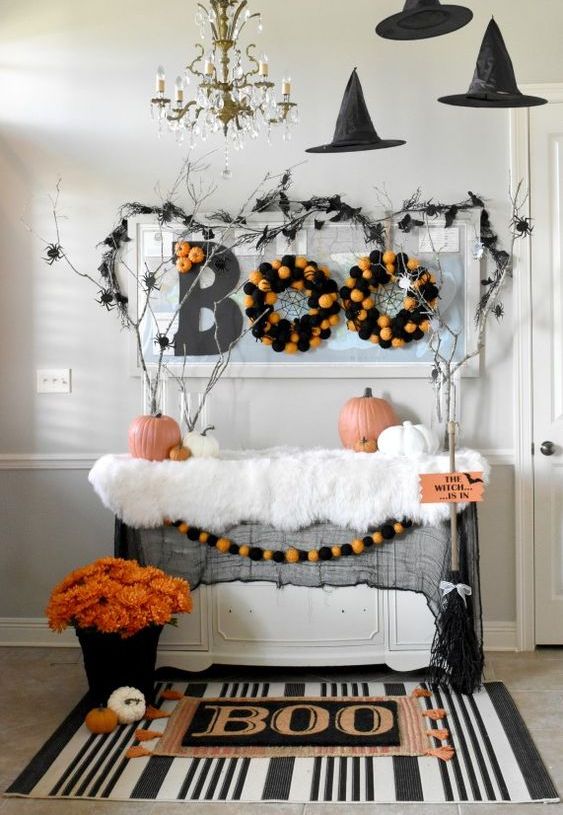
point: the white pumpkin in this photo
(202, 445)
(408, 439)
(128, 704)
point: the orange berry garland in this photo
(368, 279)
(310, 285)
(358, 546)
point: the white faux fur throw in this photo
(285, 488)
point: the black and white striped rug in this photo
(495, 760)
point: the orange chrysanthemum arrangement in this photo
(117, 596)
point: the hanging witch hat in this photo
(354, 127)
(421, 19)
(494, 82)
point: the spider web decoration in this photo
(292, 304)
(389, 299)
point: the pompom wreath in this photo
(293, 275)
(368, 278)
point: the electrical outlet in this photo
(53, 380)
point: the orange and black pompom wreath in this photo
(368, 278)
(291, 276)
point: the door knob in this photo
(547, 448)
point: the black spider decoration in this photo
(106, 299)
(150, 281)
(522, 226)
(163, 341)
(498, 311)
(54, 253)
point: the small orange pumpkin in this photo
(152, 437)
(179, 453)
(365, 446)
(184, 265)
(183, 249)
(365, 417)
(196, 255)
(101, 720)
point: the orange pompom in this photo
(383, 321)
(292, 555)
(291, 348)
(255, 277)
(386, 333)
(389, 257)
(183, 528)
(313, 556)
(223, 545)
(364, 264)
(356, 295)
(325, 301)
(284, 272)
(267, 554)
(377, 537)
(336, 551)
(413, 264)
(301, 262)
(244, 550)
(314, 342)
(358, 546)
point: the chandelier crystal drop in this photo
(232, 93)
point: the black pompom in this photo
(345, 292)
(346, 550)
(313, 301)
(335, 308)
(418, 334)
(297, 274)
(407, 523)
(212, 539)
(364, 333)
(252, 312)
(302, 554)
(355, 272)
(331, 286)
(304, 345)
(304, 322)
(325, 553)
(264, 268)
(319, 278)
(368, 541)
(284, 325)
(325, 333)
(278, 286)
(258, 331)
(387, 531)
(375, 256)
(401, 260)
(193, 533)
(249, 287)
(279, 557)
(177, 523)
(255, 553)
(316, 319)
(234, 549)
(278, 346)
(385, 343)
(288, 260)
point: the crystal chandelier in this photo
(240, 103)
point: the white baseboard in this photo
(500, 636)
(34, 631)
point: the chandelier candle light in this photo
(239, 103)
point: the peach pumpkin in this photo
(152, 437)
(365, 417)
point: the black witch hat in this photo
(421, 19)
(494, 82)
(354, 128)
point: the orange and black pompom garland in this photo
(265, 289)
(292, 555)
(368, 278)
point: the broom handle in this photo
(453, 509)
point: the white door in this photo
(546, 173)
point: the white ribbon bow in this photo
(462, 589)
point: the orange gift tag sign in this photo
(451, 488)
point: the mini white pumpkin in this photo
(128, 704)
(408, 439)
(202, 445)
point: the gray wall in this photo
(74, 84)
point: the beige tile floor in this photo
(38, 686)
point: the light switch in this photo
(53, 380)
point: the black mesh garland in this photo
(416, 561)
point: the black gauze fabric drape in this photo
(416, 561)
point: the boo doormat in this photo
(300, 742)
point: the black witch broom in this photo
(457, 655)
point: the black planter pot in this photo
(111, 661)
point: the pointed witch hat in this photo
(354, 127)
(494, 82)
(421, 19)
